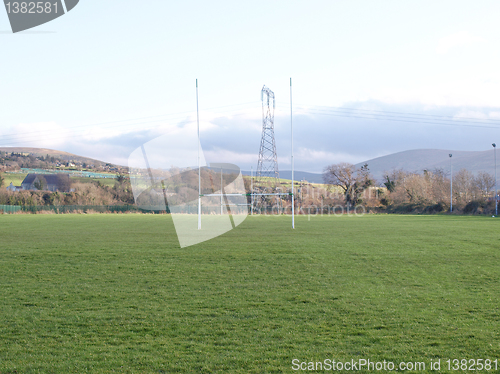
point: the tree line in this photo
(429, 191)
(345, 184)
(93, 193)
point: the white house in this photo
(13, 188)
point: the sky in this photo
(368, 78)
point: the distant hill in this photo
(429, 159)
(53, 153)
(415, 160)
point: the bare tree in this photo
(416, 187)
(430, 187)
(440, 186)
(485, 182)
(351, 180)
(464, 187)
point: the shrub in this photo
(436, 208)
(472, 207)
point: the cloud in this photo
(472, 114)
(36, 134)
(319, 159)
(353, 133)
(460, 39)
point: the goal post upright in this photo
(199, 164)
(291, 143)
(251, 190)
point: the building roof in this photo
(52, 179)
(30, 178)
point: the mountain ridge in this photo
(62, 155)
(415, 160)
(418, 160)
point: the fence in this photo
(310, 210)
(61, 209)
(9, 208)
(268, 210)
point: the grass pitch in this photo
(15, 178)
(116, 294)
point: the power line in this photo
(401, 117)
(409, 114)
(174, 118)
(34, 135)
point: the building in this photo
(13, 188)
(47, 182)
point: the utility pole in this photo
(221, 192)
(251, 190)
(451, 185)
(496, 193)
(199, 165)
(291, 158)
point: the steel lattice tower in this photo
(267, 168)
(268, 159)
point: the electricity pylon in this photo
(267, 167)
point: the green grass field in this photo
(14, 178)
(17, 178)
(115, 293)
(110, 182)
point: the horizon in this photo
(390, 162)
